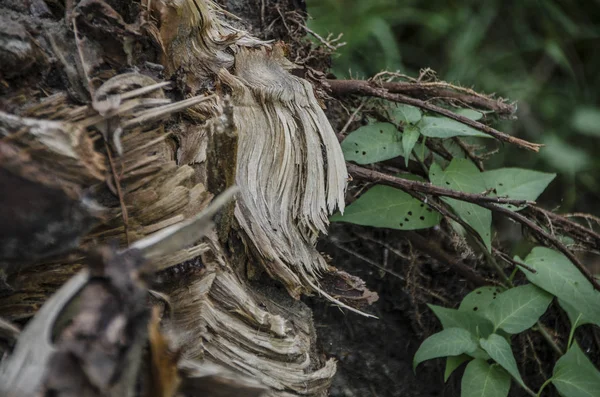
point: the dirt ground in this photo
(375, 355)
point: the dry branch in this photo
(490, 203)
(365, 88)
(549, 238)
(443, 91)
(361, 173)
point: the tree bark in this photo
(97, 155)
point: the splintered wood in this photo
(125, 168)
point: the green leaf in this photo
(462, 175)
(518, 308)
(484, 380)
(517, 183)
(449, 342)
(409, 138)
(575, 376)
(499, 350)
(565, 157)
(476, 324)
(477, 300)
(452, 363)
(470, 113)
(586, 121)
(372, 143)
(576, 317)
(557, 275)
(406, 114)
(443, 127)
(384, 206)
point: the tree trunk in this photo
(97, 156)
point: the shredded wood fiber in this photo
(247, 120)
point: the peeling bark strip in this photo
(291, 169)
(286, 192)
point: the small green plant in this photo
(479, 332)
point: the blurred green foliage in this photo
(544, 54)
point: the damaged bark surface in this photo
(167, 169)
(120, 122)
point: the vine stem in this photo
(529, 391)
(546, 383)
(572, 332)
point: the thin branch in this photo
(435, 251)
(450, 215)
(583, 233)
(367, 260)
(550, 238)
(483, 201)
(445, 91)
(506, 258)
(541, 328)
(326, 42)
(357, 87)
(362, 173)
(342, 134)
(465, 148)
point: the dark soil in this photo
(375, 355)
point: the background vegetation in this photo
(542, 54)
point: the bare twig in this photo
(362, 173)
(367, 260)
(581, 232)
(506, 258)
(465, 148)
(341, 135)
(552, 240)
(442, 90)
(448, 92)
(326, 42)
(358, 87)
(435, 251)
(481, 200)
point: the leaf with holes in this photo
(443, 127)
(574, 375)
(557, 275)
(463, 176)
(476, 324)
(453, 362)
(479, 299)
(518, 308)
(499, 350)
(449, 342)
(384, 206)
(517, 183)
(410, 136)
(406, 114)
(372, 143)
(484, 380)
